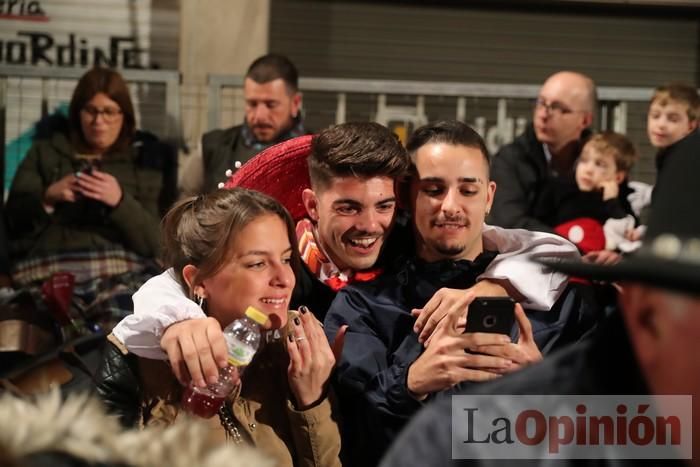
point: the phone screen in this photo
(491, 314)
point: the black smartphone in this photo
(491, 314)
(85, 167)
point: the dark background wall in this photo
(494, 42)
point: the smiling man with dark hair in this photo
(649, 346)
(351, 201)
(349, 209)
(387, 369)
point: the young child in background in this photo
(674, 112)
(579, 206)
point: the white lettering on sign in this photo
(37, 48)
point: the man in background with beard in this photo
(272, 115)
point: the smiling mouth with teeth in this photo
(363, 242)
(449, 225)
(273, 301)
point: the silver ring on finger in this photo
(301, 338)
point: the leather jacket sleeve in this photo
(118, 384)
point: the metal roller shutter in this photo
(410, 41)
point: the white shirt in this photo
(161, 301)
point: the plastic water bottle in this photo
(242, 339)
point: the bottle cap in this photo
(256, 315)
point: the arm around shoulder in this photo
(159, 303)
(514, 267)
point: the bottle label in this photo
(239, 353)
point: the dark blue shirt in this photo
(380, 344)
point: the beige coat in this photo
(264, 414)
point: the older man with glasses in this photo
(548, 148)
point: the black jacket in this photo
(604, 364)
(521, 172)
(562, 201)
(688, 145)
(380, 344)
(221, 149)
(313, 293)
(119, 385)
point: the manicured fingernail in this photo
(290, 338)
(297, 321)
(303, 309)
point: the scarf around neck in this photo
(321, 266)
(297, 129)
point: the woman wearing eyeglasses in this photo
(91, 186)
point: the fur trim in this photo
(80, 428)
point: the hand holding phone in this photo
(85, 167)
(498, 315)
(492, 315)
